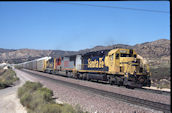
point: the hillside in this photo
(6, 50)
(157, 52)
(21, 55)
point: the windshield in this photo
(125, 55)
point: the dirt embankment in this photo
(9, 101)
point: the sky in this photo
(72, 26)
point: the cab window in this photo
(111, 57)
(117, 55)
(125, 55)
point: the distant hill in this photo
(155, 49)
(22, 55)
(6, 50)
(156, 52)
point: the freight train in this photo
(117, 66)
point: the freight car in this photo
(117, 66)
(37, 64)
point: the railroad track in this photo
(167, 93)
(154, 91)
(133, 100)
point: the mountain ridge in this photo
(156, 52)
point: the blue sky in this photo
(54, 25)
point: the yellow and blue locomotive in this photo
(118, 66)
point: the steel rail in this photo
(154, 91)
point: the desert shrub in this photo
(2, 85)
(68, 109)
(2, 71)
(160, 73)
(51, 108)
(163, 83)
(79, 109)
(7, 78)
(46, 94)
(38, 99)
(41, 96)
(25, 99)
(161, 77)
(32, 86)
(28, 87)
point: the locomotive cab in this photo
(127, 68)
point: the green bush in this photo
(68, 109)
(41, 96)
(7, 78)
(28, 87)
(38, 99)
(51, 108)
(25, 99)
(78, 109)
(160, 73)
(46, 94)
(32, 86)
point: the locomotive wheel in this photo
(115, 81)
(111, 82)
(69, 74)
(84, 76)
(129, 87)
(77, 76)
(80, 76)
(88, 78)
(119, 83)
(66, 73)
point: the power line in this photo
(127, 8)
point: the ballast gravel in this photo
(94, 103)
(121, 90)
